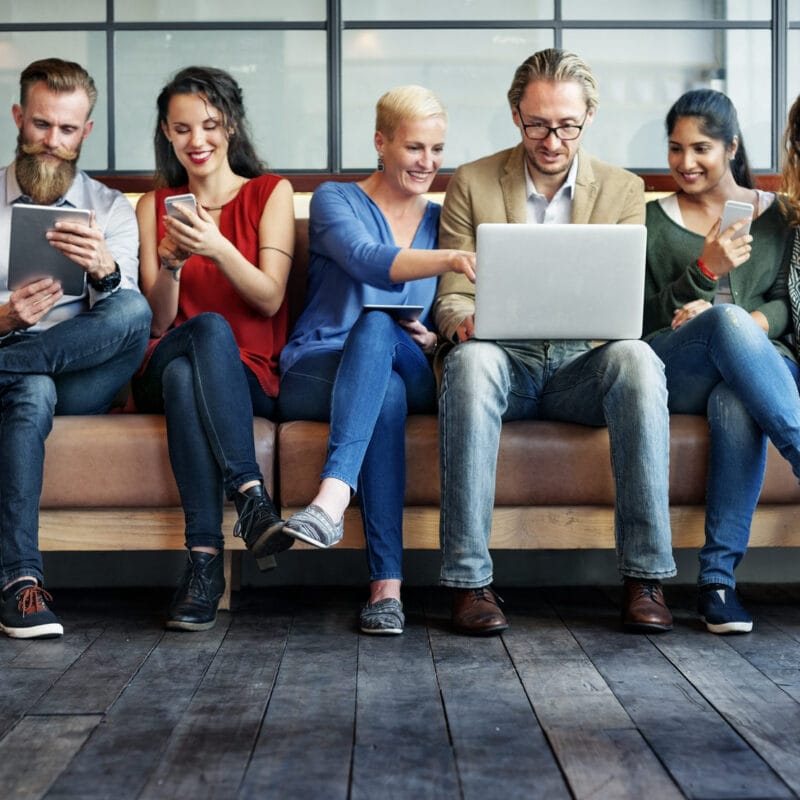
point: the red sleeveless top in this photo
(204, 288)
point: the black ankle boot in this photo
(260, 526)
(194, 606)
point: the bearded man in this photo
(59, 354)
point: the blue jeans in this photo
(195, 376)
(620, 385)
(366, 392)
(722, 364)
(75, 367)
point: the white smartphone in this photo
(184, 199)
(733, 212)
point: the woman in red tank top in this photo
(215, 276)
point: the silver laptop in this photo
(559, 281)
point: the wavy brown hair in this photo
(790, 170)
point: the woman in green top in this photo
(715, 308)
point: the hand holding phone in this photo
(733, 212)
(172, 206)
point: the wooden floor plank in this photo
(44, 745)
(598, 746)
(704, 756)
(20, 690)
(142, 720)
(500, 748)
(398, 770)
(286, 699)
(402, 743)
(758, 710)
(305, 745)
(209, 750)
(96, 679)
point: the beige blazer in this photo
(492, 189)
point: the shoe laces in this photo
(199, 581)
(650, 588)
(32, 600)
(488, 594)
(253, 511)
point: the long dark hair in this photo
(717, 118)
(222, 92)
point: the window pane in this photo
(214, 11)
(282, 75)
(447, 9)
(793, 10)
(642, 72)
(53, 11)
(17, 50)
(675, 9)
(793, 69)
(470, 70)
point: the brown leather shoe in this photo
(476, 612)
(644, 609)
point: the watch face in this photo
(109, 282)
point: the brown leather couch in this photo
(108, 483)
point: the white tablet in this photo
(31, 257)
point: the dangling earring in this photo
(380, 163)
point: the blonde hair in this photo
(406, 103)
(554, 65)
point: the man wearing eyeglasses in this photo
(547, 178)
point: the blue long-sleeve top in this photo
(351, 250)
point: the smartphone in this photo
(184, 199)
(733, 212)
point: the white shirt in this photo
(557, 211)
(113, 213)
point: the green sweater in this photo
(673, 278)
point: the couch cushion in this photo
(539, 463)
(121, 460)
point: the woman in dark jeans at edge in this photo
(216, 283)
(715, 313)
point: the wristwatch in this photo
(108, 282)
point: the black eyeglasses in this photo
(538, 132)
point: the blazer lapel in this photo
(512, 184)
(585, 190)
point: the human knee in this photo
(632, 365)
(32, 398)
(128, 308)
(177, 378)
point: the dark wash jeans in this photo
(195, 376)
(75, 367)
(722, 364)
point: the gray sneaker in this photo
(314, 526)
(382, 617)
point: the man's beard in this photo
(44, 180)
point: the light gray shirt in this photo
(113, 213)
(557, 211)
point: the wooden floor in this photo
(284, 699)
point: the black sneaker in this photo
(24, 613)
(194, 606)
(260, 526)
(721, 610)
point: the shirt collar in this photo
(14, 194)
(567, 187)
